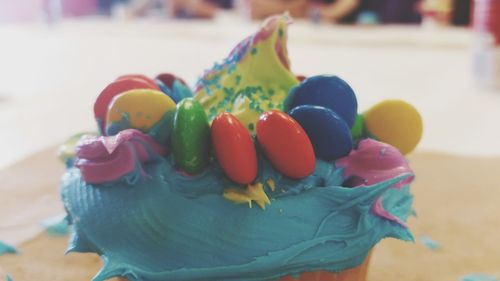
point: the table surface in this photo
(51, 74)
(456, 199)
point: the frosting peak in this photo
(254, 78)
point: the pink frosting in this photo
(378, 209)
(108, 158)
(268, 28)
(375, 162)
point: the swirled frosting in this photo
(103, 159)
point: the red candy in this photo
(146, 79)
(234, 148)
(168, 79)
(300, 77)
(117, 87)
(286, 144)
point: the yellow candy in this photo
(395, 122)
(142, 109)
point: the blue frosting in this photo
(8, 278)
(429, 243)
(160, 132)
(7, 249)
(56, 226)
(479, 277)
(178, 91)
(169, 226)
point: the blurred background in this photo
(443, 56)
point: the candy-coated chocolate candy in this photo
(137, 109)
(358, 129)
(174, 87)
(328, 133)
(286, 144)
(395, 122)
(119, 86)
(163, 87)
(168, 79)
(234, 148)
(191, 137)
(327, 91)
(300, 77)
(144, 78)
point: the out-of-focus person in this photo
(341, 11)
(327, 10)
(224, 4)
(191, 8)
(436, 11)
(453, 12)
(106, 6)
(461, 14)
(260, 9)
(176, 8)
(345, 11)
(394, 11)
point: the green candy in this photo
(191, 137)
(358, 129)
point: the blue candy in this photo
(178, 91)
(163, 87)
(329, 134)
(328, 91)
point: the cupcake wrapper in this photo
(358, 273)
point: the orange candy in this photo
(286, 144)
(234, 148)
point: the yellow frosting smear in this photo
(252, 193)
(271, 184)
(255, 78)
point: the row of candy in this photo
(134, 102)
(326, 107)
(192, 137)
(322, 121)
(282, 139)
(122, 102)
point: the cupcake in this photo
(252, 175)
